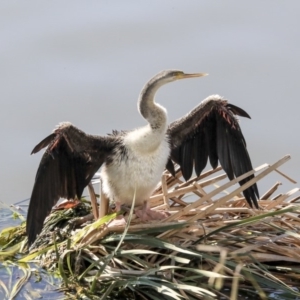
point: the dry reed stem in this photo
(165, 191)
(104, 203)
(222, 200)
(282, 198)
(285, 176)
(271, 191)
(93, 201)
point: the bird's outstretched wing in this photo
(66, 168)
(212, 131)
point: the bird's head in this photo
(146, 104)
(172, 75)
(159, 80)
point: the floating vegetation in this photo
(212, 246)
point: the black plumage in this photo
(69, 163)
(214, 134)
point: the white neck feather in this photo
(145, 139)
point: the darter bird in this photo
(132, 162)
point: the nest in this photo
(212, 246)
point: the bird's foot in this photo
(147, 214)
(118, 221)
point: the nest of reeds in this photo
(213, 246)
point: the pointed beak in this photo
(193, 75)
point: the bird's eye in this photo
(176, 73)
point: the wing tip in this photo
(30, 232)
(252, 196)
(44, 143)
(238, 111)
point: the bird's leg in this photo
(147, 214)
(119, 220)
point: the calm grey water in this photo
(40, 284)
(86, 62)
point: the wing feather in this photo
(187, 159)
(200, 152)
(222, 149)
(67, 166)
(214, 132)
(211, 139)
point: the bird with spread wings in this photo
(132, 162)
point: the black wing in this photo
(212, 131)
(66, 168)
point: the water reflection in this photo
(37, 284)
(18, 281)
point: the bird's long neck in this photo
(154, 113)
